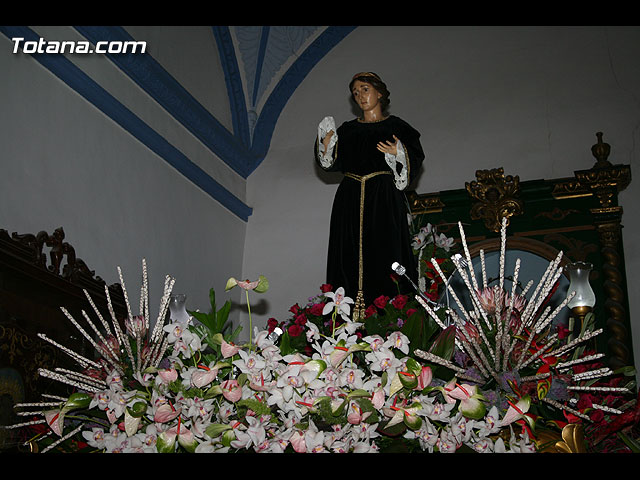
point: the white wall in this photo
(529, 99)
(66, 164)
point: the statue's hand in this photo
(389, 146)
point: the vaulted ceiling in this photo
(261, 67)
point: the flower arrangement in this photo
(495, 380)
(432, 247)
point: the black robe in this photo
(385, 231)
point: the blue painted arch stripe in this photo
(100, 98)
(167, 91)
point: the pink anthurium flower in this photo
(471, 402)
(424, 378)
(231, 390)
(168, 375)
(185, 436)
(228, 349)
(203, 376)
(165, 413)
(166, 441)
(55, 420)
(247, 285)
(517, 411)
(260, 286)
(378, 398)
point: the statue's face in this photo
(365, 96)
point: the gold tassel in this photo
(359, 307)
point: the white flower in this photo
(352, 378)
(437, 412)
(95, 437)
(444, 242)
(338, 301)
(427, 435)
(314, 439)
(398, 341)
(447, 443)
(249, 362)
(383, 360)
(490, 424)
(374, 341)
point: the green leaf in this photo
(228, 437)
(166, 444)
(413, 366)
(260, 408)
(216, 429)
(212, 299)
(77, 400)
(396, 385)
(444, 344)
(419, 329)
(359, 393)
(633, 445)
(222, 316)
(138, 409)
(285, 344)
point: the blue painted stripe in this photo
(95, 94)
(262, 49)
(233, 81)
(161, 86)
(287, 85)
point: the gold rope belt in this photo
(359, 307)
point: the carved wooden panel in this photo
(39, 273)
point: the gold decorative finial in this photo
(601, 151)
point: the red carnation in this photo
(300, 319)
(411, 311)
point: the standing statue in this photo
(379, 155)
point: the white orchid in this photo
(444, 242)
(339, 303)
